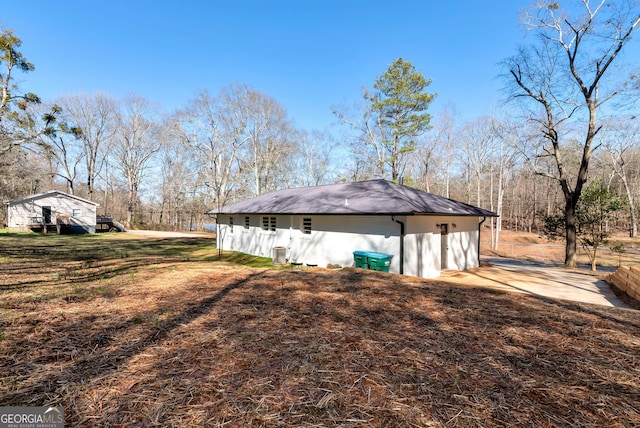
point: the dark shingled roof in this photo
(364, 197)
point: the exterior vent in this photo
(279, 255)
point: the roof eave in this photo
(49, 193)
(397, 213)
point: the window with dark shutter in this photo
(246, 222)
(306, 226)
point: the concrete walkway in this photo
(537, 279)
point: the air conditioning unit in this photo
(279, 256)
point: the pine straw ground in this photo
(165, 340)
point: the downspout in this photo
(401, 243)
(479, 226)
(218, 237)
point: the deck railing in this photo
(36, 220)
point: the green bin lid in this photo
(372, 254)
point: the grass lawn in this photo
(158, 332)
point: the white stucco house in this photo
(52, 211)
(324, 225)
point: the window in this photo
(76, 212)
(269, 224)
(246, 222)
(306, 226)
(231, 224)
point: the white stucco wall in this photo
(333, 240)
(423, 244)
(20, 212)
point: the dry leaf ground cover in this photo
(531, 246)
(158, 333)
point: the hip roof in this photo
(357, 198)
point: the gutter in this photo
(402, 243)
(479, 226)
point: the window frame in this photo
(307, 225)
(268, 224)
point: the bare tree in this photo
(567, 76)
(504, 158)
(446, 129)
(433, 161)
(95, 116)
(477, 140)
(136, 141)
(180, 172)
(365, 141)
(424, 164)
(61, 148)
(270, 148)
(212, 131)
(315, 158)
(22, 172)
(621, 140)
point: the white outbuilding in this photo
(54, 211)
(324, 225)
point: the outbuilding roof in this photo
(49, 193)
(358, 198)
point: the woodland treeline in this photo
(166, 171)
(570, 118)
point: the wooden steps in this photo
(108, 224)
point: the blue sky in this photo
(310, 56)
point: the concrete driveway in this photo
(537, 279)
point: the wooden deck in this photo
(103, 224)
(43, 227)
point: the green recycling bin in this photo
(379, 261)
(360, 257)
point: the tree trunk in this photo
(448, 170)
(394, 159)
(632, 208)
(478, 177)
(501, 189)
(534, 203)
(570, 259)
(129, 216)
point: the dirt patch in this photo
(531, 246)
(515, 237)
(174, 342)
